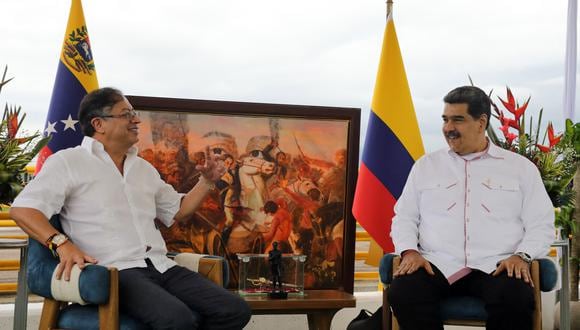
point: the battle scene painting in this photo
(285, 181)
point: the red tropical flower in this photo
(508, 121)
(510, 137)
(553, 139)
(520, 110)
(12, 124)
(543, 149)
(510, 104)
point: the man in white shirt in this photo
(108, 198)
(468, 222)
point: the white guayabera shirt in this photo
(471, 212)
(107, 215)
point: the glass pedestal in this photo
(256, 275)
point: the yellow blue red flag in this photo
(75, 77)
(393, 143)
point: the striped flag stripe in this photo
(392, 167)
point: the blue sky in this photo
(300, 52)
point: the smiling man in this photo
(469, 221)
(108, 198)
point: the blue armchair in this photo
(468, 311)
(95, 291)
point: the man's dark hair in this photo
(95, 104)
(270, 207)
(477, 101)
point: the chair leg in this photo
(49, 315)
(537, 321)
(387, 315)
(389, 320)
(394, 322)
(109, 312)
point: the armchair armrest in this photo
(548, 274)
(386, 268)
(93, 282)
(214, 268)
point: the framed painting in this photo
(291, 174)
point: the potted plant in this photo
(557, 158)
(16, 150)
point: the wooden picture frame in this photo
(308, 156)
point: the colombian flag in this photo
(393, 143)
(75, 77)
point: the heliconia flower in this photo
(505, 129)
(520, 110)
(553, 139)
(510, 104)
(510, 137)
(543, 149)
(12, 124)
(508, 121)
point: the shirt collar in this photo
(492, 151)
(94, 146)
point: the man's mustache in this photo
(452, 135)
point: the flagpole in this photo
(375, 252)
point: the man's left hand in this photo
(213, 169)
(517, 267)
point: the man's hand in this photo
(69, 255)
(214, 168)
(514, 265)
(411, 262)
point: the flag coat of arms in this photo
(393, 143)
(75, 77)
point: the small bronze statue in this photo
(275, 260)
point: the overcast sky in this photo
(314, 52)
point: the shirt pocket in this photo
(501, 197)
(439, 195)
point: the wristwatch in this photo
(525, 257)
(55, 241)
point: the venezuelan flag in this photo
(393, 143)
(75, 77)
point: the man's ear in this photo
(483, 119)
(97, 123)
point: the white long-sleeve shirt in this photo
(107, 215)
(461, 213)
